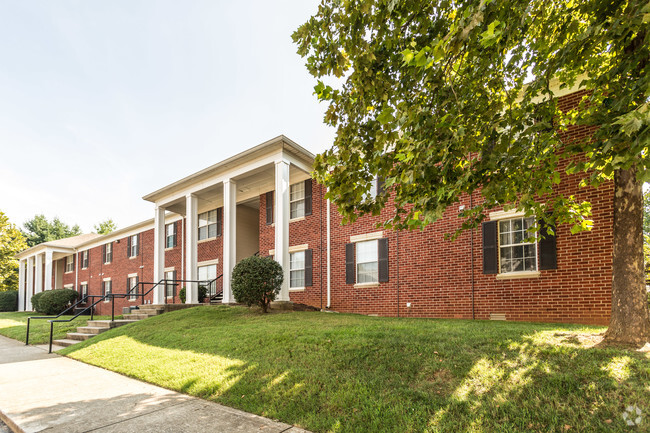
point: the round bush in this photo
(9, 300)
(203, 292)
(35, 299)
(56, 301)
(256, 281)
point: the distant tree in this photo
(12, 242)
(105, 227)
(39, 230)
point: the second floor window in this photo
(170, 235)
(297, 200)
(134, 245)
(69, 264)
(108, 252)
(84, 259)
(208, 225)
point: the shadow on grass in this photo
(352, 373)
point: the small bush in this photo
(56, 301)
(203, 292)
(35, 299)
(9, 300)
(256, 281)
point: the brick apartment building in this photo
(264, 201)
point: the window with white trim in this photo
(170, 288)
(83, 290)
(108, 253)
(84, 259)
(170, 235)
(132, 287)
(207, 273)
(367, 255)
(516, 254)
(208, 225)
(297, 200)
(134, 246)
(297, 269)
(108, 288)
(69, 264)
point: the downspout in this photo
(76, 274)
(471, 205)
(320, 251)
(329, 264)
(397, 234)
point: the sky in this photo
(103, 102)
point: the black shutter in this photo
(128, 246)
(269, 208)
(380, 185)
(128, 285)
(137, 286)
(547, 248)
(104, 253)
(103, 288)
(350, 275)
(490, 248)
(88, 259)
(308, 197)
(137, 246)
(383, 259)
(175, 234)
(309, 268)
(219, 221)
(174, 283)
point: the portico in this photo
(232, 189)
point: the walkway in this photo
(40, 391)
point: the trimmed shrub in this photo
(256, 281)
(9, 300)
(203, 292)
(35, 299)
(56, 301)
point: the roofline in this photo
(192, 177)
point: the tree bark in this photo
(630, 321)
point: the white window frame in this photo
(84, 259)
(168, 235)
(108, 280)
(169, 275)
(109, 253)
(296, 197)
(69, 264)
(358, 262)
(204, 222)
(371, 194)
(294, 269)
(133, 252)
(511, 246)
(132, 279)
(83, 289)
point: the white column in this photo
(191, 229)
(48, 270)
(38, 284)
(229, 237)
(282, 224)
(22, 287)
(159, 254)
(30, 282)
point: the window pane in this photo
(212, 231)
(297, 278)
(366, 251)
(367, 272)
(505, 239)
(297, 209)
(504, 226)
(170, 229)
(297, 260)
(203, 233)
(297, 191)
(212, 217)
(203, 219)
(530, 264)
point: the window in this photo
(107, 288)
(367, 262)
(297, 200)
(170, 235)
(133, 245)
(208, 225)
(83, 291)
(515, 254)
(69, 264)
(108, 252)
(84, 259)
(170, 287)
(371, 194)
(297, 269)
(132, 287)
(207, 273)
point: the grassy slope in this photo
(14, 325)
(345, 373)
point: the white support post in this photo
(39, 274)
(191, 228)
(21, 285)
(282, 224)
(158, 254)
(48, 270)
(229, 237)
(30, 282)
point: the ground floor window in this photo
(83, 291)
(516, 252)
(297, 269)
(107, 289)
(132, 287)
(170, 284)
(367, 262)
(69, 264)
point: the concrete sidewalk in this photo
(41, 391)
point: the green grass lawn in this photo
(14, 325)
(350, 373)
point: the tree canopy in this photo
(449, 98)
(12, 242)
(105, 227)
(39, 230)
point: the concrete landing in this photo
(42, 391)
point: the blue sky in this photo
(102, 102)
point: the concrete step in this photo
(159, 309)
(109, 323)
(65, 342)
(92, 329)
(79, 336)
(138, 316)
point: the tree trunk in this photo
(630, 322)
